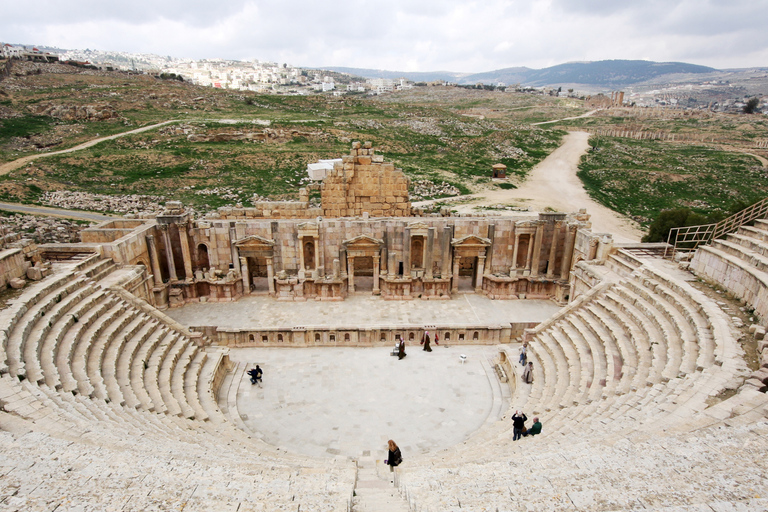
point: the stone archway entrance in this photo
(368, 250)
(468, 263)
(256, 263)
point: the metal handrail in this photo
(689, 238)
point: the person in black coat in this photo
(394, 457)
(518, 424)
(255, 374)
(425, 341)
(401, 350)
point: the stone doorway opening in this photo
(364, 274)
(467, 274)
(258, 269)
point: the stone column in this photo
(445, 248)
(407, 252)
(233, 248)
(154, 261)
(514, 253)
(479, 272)
(316, 239)
(343, 261)
(570, 236)
(351, 274)
(530, 253)
(302, 263)
(336, 269)
(246, 275)
(271, 276)
(430, 252)
(455, 282)
(376, 263)
(385, 252)
(169, 253)
(392, 265)
(537, 249)
(553, 250)
(489, 250)
(185, 255)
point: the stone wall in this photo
(362, 183)
(356, 337)
(12, 266)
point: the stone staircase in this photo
(629, 380)
(375, 489)
(106, 404)
(103, 403)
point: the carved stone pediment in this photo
(255, 245)
(470, 241)
(418, 228)
(255, 241)
(362, 245)
(308, 229)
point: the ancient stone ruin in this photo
(647, 397)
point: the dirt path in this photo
(567, 118)
(553, 184)
(10, 166)
(54, 212)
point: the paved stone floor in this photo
(258, 311)
(349, 401)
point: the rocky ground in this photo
(41, 230)
(121, 204)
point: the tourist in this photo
(394, 457)
(425, 341)
(528, 373)
(436, 340)
(535, 428)
(255, 374)
(518, 424)
(401, 350)
(523, 354)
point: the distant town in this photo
(707, 92)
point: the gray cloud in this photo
(406, 35)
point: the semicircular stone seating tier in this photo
(89, 379)
(628, 377)
(117, 403)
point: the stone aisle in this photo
(374, 492)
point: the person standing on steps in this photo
(394, 457)
(524, 354)
(528, 373)
(518, 424)
(425, 342)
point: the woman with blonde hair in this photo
(394, 457)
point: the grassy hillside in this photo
(434, 134)
(640, 178)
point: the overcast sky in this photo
(404, 35)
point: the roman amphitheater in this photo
(123, 361)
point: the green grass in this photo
(642, 178)
(24, 126)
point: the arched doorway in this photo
(202, 260)
(309, 255)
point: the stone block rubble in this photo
(122, 204)
(42, 230)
